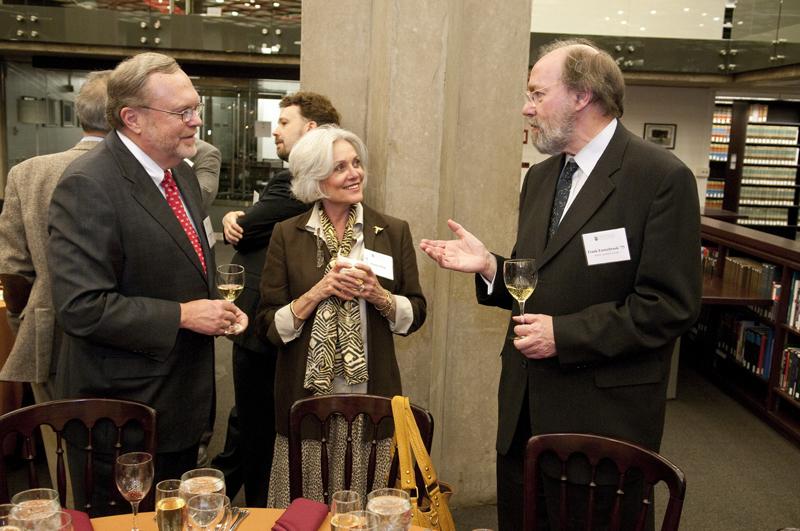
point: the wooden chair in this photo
(57, 414)
(350, 406)
(597, 451)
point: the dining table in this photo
(258, 520)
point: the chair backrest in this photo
(594, 450)
(349, 407)
(57, 414)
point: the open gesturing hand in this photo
(466, 253)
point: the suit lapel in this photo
(194, 205)
(145, 192)
(597, 188)
(537, 200)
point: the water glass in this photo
(61, 521)
(345, 501)
(202, 481)
(393, 508)
(34, 507)
(170, 507)
(206, 510)
(6, 522)
(355, 521)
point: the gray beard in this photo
(554, 140)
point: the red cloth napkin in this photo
(80, 520)
(302, 515)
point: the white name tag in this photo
(606, 246)
(381, 264)
(209, 232)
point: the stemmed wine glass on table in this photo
(134, 476)
(520, 277)
(230, 283)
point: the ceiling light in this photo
(703, 14)
(685, 9)
(608, 18)
(653, 11)
(234, 13)
(276, 4)
(620, 12)
(623, 22)
(642, 28)
(716, 19)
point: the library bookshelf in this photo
(747, 334)
(753, 158)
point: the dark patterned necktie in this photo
(563, 187)
(174, 201)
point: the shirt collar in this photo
(150, 166)
(587, 157)
(92, 138)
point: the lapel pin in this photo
(377, 229)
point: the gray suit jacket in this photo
(23, 237)
(121, 266)
(206, 164)
(615, 324)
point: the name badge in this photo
(381, 264)
(606, 246)
(209, 232)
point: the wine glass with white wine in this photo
(520, 277)
(230, 283)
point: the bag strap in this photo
(406, 476)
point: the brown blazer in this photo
(290, 270)
(23, 240)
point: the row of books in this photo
(793, 314)
(758, 113)
(722, 115)
(709, 257)
(772, 216)
(713, 203)
(756, 277)
(772, 134)
(718, 152)
(720, 133)
(759, 173)
(766, 196)
(746, 342)
(790, 372)
(770, 155)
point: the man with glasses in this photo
(613, 223)
(132, 266)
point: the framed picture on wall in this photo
(67, 113)
(53, 112)
(661, 134)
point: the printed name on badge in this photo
(381, 264)
(606, 246)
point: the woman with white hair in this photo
(338, 282)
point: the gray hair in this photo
(126, 84)
(311, 160)
(90, 103)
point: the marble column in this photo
(435, 87)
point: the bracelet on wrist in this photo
(291, 309)
(387, 308)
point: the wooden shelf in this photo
(715, 291)
(790, 330)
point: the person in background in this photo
(595, 349)
(206, 165)
(325, 308)
(134, 283)
(249, 456)
(23, 238)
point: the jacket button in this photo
(524, 363)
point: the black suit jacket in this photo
(275, 203)
(121, 264)
(614, 324)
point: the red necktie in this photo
(174, 201)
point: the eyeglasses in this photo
(186, 114)
(536, 97)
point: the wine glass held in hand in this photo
(520, 277)
(230, 281)
(134, 476)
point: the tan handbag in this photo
(431, 510)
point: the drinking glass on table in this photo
(7, 523)
(170, 507)
(134, 477)
(202, 481)
(206, 510)
(61, 521)
(344, 502)
(357, 521)
(520, 277)
(34, 507)
(392, 507)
